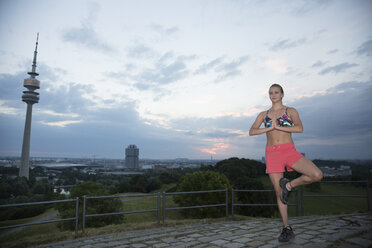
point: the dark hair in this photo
(277, 85)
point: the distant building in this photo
(344, 170)
(131, 157)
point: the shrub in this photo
(254, 198)
(201, 181)
(13, 213)
(14, 187)
(94, 206)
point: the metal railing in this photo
(76, 218)
(226, 204)
(233, 204)
(161, 210)
(117, 213)
(302, 196)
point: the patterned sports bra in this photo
(283, 121)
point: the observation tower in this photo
(30, 97)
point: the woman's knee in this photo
(317, 176)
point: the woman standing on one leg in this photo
(279, 123)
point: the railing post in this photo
(232, 202)
(302, 199)
(163, 207)
(296, 202)
(227, 202)
(158, 200)
(83, 217)
(368, 198)
(77, 216)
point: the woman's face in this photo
(275, 94)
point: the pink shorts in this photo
(281, 156)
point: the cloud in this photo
(219, 147)
(337, 68)
(53, 113)
(336, 121)
(318, 64)
(57, 105)
(231, 66)
(230, 69)
(4, 109)
(204, 68)
(162, 74)
(302, 8)
(65, 122)
(224, 69)
(141, 51)
(221, 134)
(164, 31)
(333, 51)
(166, 70)
(277, 65)
(85, 35)
(60, 123)
(68, 99)
(286, 44)
(365, 48)
(12, 86)
(336, 125)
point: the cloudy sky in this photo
(185, 78)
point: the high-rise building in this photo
(131, 157)
(30, 97)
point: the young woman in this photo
(279, 123)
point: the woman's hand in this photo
(255, 129)
(274, 125)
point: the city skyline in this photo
(185, 78)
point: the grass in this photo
(21, 221)
(48, 233)
(34, 235)
(334, 205)
(328, 205)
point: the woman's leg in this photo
(310, 173)
(275, 177)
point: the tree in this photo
(42, 187)
(154, 184)
(201, 181)
(14, 187)
(123, 186)
(94, 206)
(170, 176)
(139, 183)
(235, 168)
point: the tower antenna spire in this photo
(33, 73)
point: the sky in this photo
(187, 78)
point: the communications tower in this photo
(30, 97)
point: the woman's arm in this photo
(255, 129)
(297, 128)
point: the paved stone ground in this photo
(346, 231)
